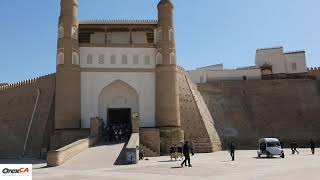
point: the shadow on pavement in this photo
(121, 160)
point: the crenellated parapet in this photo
(26, 82)
(314, 69)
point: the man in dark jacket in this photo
(186, 153)
(312, 146)
(232, 149)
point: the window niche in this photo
(60, 57)
(135, 59)
(61, 31)
(113, 59)
(74, 32)
(75, 58)
(124, 59)
(89, 59)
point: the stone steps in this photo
(148, 152)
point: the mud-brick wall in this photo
(16, 108)
(197, 125)
(245, 111)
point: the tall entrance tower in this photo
(167, 91)
(67, 98)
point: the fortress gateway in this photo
(126, 72)
(117, 71)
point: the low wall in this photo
(150, 137)
(132, 149)
(60, 156)
(61, 138)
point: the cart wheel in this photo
(268, 155)
(282, 155)
(259, 155)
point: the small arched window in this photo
(135, 59)
(74, 32)
(89, 59)
(60, 58)
(159, 35)
(124, 59)
(172, 58)
(171, 35)
(75, 58)
(113, 59)
(159, 58)
(61, 31)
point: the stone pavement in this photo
(205, 166)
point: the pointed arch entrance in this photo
(117, 102)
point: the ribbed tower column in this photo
(67, 98)
(167, 91)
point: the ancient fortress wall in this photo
(247, 110)
(17, 104)
(196, 120)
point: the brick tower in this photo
(67, 98)
(167, 91)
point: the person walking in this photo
(312, 146)
(232, 150)
(186, 153)
(192, 148)
(294, 147)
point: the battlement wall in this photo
(245, 111)
(314, 72)
(19, 103)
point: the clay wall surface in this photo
(17, 102)
(196, 120)
(245, 111)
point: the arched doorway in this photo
(117, 102)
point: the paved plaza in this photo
(97, 165)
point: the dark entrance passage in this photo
(119, 116)
(120, 122)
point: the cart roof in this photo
(269, 140)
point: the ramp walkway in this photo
(101, 156)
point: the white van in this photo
(270, 147)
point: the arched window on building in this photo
(60, 58)
(124, 59)
(159, 58)
(75, 58)
(113, 59)
(89, 59)
(172, 58)
(135, 59)
(171, 35)
(159, 35)
(61, 31)
(74, 32)
(101, 59)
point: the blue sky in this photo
(207, 31)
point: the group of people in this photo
(294, 147)
(116, 133)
